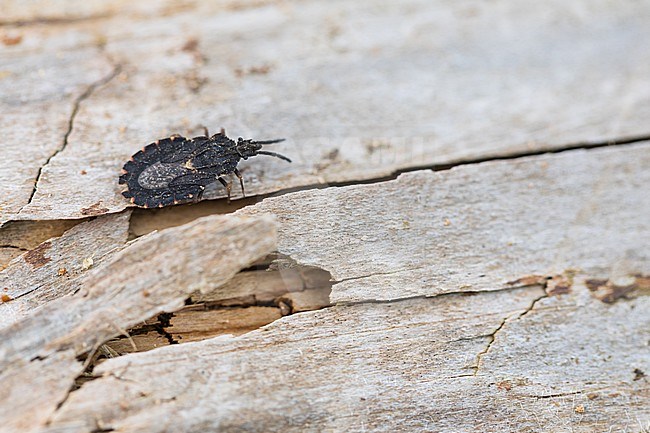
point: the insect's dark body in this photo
(177, 170)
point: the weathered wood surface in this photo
(38, 94)
(56, 267)
(475, 227)
(153, 274)
(551, 355)
(188, 325)
(494, 361)
(268, 284)
(251, 299)
(19, 237)
(359, 89)
(504, 296)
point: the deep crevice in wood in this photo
(623, 141)
(26, 235)
(163, 320)
(517, 155)
(231, 232)
(276, 284)
(144, 221)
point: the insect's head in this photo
(248, 148)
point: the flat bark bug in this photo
(177, 170)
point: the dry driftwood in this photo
(18, 237)
(470, 81)
(430, 233)
(268, 284)
(250, 300)
(154, 274)
(39, 94)
(188, 325)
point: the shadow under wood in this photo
(145, 221)
(274, 287)
(17, 237)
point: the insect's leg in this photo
(205, 132)
(222, 132)
(241, 181)
(227, 184)
(199, 195)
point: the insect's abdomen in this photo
(152, 180)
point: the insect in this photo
(177, 170)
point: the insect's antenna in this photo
(277, 155)
(268, 141)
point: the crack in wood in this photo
(75, 109)
(561, 394)
(361, 277)
(459, 163)
(512, 318)
(14, 247)
(439, 295)
(491, 338)
(53, 20)
(275, 287)
(623, 141)
(245, 240)
(168, 217)
(163, 322)
(160, 327)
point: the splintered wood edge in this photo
(57, 266)
(153, 274)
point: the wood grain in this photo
(40, 91)
(510, 295)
